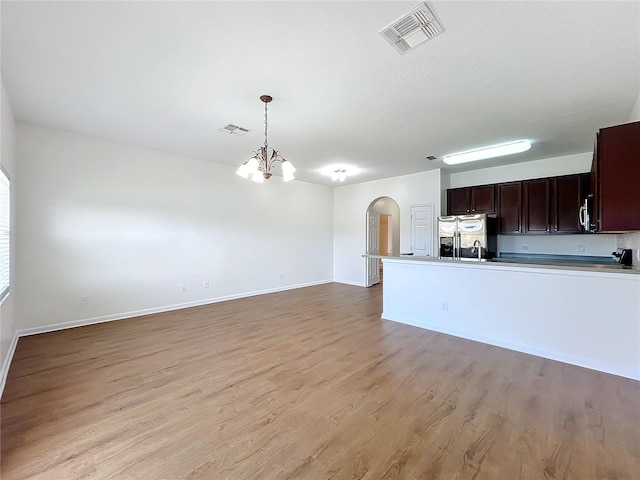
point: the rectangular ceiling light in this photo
(487, 152)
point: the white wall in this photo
(546, 167)
(635, 112)
(7, 317)
(585, 318)
(128, 226)
(350, 203)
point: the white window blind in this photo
(5, 237)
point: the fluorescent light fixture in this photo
(487, 152)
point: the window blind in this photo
(5, 237)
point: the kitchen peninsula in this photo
(583, 315)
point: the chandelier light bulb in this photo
(287, 171)
(243, 170)
(339, 174)
(257, 177)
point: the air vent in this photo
(234, 130)
(412, 29)
(431, 158)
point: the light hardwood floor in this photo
(305, 384)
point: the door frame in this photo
(373, 264)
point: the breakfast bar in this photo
(583, 315)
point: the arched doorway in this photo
(383, 235)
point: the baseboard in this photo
(349, 282)
(7, 362)
(634, 374)
(166, 308)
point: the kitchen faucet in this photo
(478, 244)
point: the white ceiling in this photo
(168, 75)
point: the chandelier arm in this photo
(273, 159)
(264, 161)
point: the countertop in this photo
(517, 263)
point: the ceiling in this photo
(169, 75)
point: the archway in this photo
(382, 235)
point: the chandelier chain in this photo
(265, 126)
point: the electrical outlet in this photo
(525, 246)
(282, 276)
(445, 306)
(206, 284)
(184, 288)
(581, 248)
(84, 299)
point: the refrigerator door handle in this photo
(455, 246)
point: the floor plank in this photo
(305, 384)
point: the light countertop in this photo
(502, 263)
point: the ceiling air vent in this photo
(234, 130)
(431, 158)
(412, 29)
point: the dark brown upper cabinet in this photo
(509, 207)
(540, 206)
(569, 192)
(551, 204)
(483, 199)
(458, 201)
(616, 178)
(537, 206)
(470, 200)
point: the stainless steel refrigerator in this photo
(467, 237)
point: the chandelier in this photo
(339, 174)
(259, 166)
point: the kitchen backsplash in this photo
(587, 244)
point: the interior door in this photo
(373, 248)
(422, 229)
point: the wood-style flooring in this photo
(305, 384)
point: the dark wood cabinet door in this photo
(537, 205)
(483, 199)
(618, 179)
(568, 195)
(458, 201)
(594, 221)
(509, 207)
